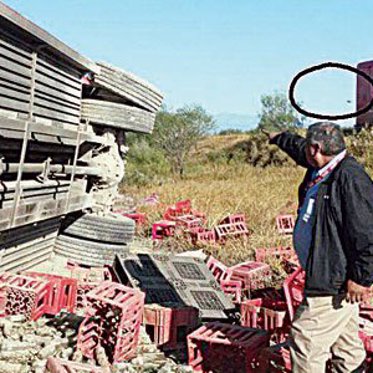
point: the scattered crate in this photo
(234, 219)
(367, 341)
(253, 275)
(168, 327)
(263, 314)
(63, 292)
(202, 235)
(366, 311)
(138, 217)
(366, 327)
(218, 347)
(87, 279)
(55, 365)
(180, 208)
(233, 289)
(285, 224)
(174, 279)
(23, 295)
(113, 321)
(231, 226)
(218, 269)
(162, 229)
(293, 288)
(282, 253)
(189, 222)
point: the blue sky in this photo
(221, 54)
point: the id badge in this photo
(308, 214)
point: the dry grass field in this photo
(218, 190)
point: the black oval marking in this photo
(326, 65)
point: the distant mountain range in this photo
(243, 122)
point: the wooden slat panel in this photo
(14, 105)
(56, 94)
(16, 79)
(28, 28)
(135, 92)
(52, 114)
(58, 106)
(19, 125)
(15, 49)
(66, 72)
(15, 67)
(18, 135)
(18, 58)
(16, 94)
(30, 212)
(117, 115)
(53, 83)
(58, 75)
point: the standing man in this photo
(333, 238)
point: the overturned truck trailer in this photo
(63, 124)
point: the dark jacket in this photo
(342, 239)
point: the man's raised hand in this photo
(270, 135)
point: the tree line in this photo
(176, 132)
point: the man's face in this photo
(311, 155)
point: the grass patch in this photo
(218, 190)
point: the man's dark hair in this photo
(328, 136)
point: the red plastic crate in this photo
(113, 321)
(55, 365)
(218, 347)
(62, 292)
(366, 327)
(367, 340)
(264, 314)
(219, 270)
(200, 235)
(189, 222)
(162, 229)
(231, 226)
(89, 275)
(253, 275)
(293, 289)
(87, 279)
(233, 219)
(222, 273)
(23, 295)
(285, 224)
(233, 289)
(281, 253)
(178, 209)
(366, 310)
(168, 327)
(139, 218)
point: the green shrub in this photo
(145, 164)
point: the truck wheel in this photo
(88, 252)
(111, 228)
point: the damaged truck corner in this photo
(63, 124)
